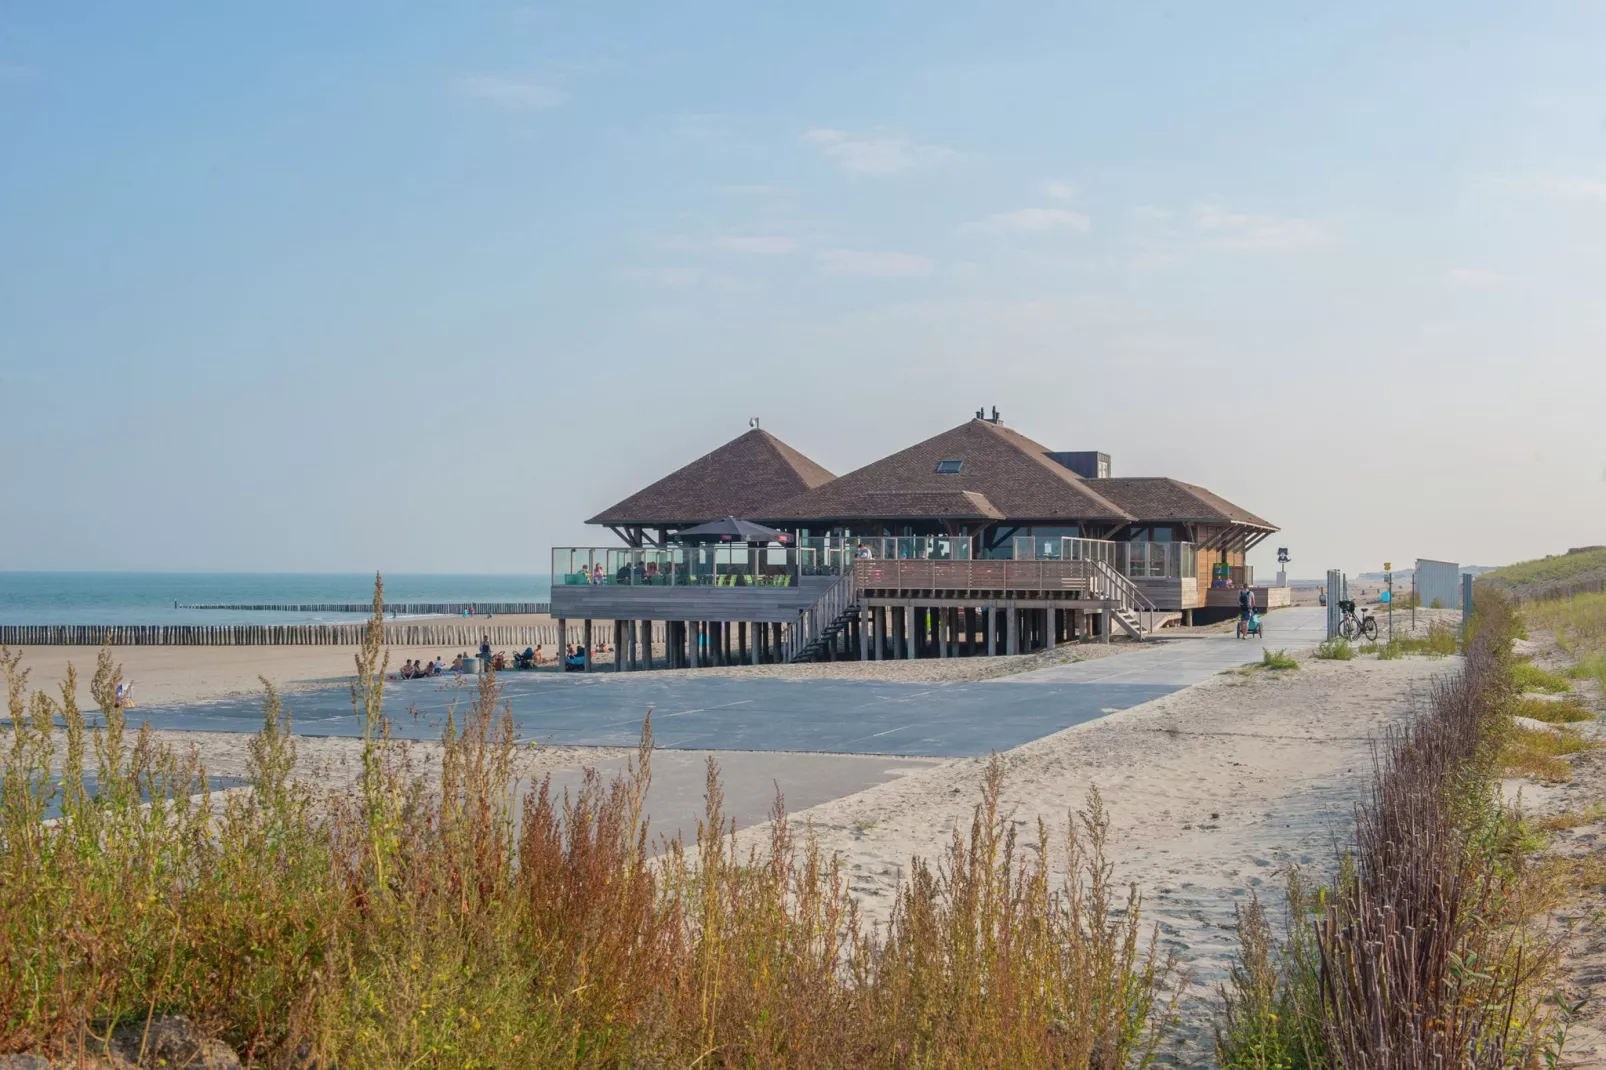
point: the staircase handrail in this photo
(1125, 592)
(812, 622)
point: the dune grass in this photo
(1422, 952)
(1567, 710)
(1530, 677)
(434, 919)
(1278, 660)
(1547, 569)
(1335, 649)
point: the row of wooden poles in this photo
(411, 608)
(458, 635)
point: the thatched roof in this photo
(1002, 473)
(742, 478)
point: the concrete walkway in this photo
(706, 713)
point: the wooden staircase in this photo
(838, 606)
(820, 624)
(1132, 610)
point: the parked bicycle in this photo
(1351, 625)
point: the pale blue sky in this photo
(421, 286)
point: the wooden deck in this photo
(774, 605)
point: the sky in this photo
(420, 286)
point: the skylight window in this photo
(949, 468)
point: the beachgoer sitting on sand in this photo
(457, 663)
(406, 670)
(125, 696)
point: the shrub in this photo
(1272, 1013)
(1335, 649)
(1424, 956)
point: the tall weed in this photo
(439, 918)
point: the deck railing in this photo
(739, 565)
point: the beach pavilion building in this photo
(975, 541)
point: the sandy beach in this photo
(1211, 791)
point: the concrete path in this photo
(704, 713)
(676, 799)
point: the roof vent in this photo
(981, 414)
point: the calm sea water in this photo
(148, 597)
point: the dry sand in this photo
(1210, 791)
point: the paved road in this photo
(705, 713)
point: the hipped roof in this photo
(744, 477)
(1003, 474)
(1159, 499)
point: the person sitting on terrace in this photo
(596, 574)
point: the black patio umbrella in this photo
(731, 529)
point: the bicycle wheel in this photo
(1370, 628)
(1346, 628)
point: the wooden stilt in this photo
(587, 633)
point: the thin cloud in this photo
(762, 244)
(1256, 233)
(1029, 221)
(1590, 188)
(514, 94)
(1059, 191)
(875, 265)
(878, 154)
(1472, 277)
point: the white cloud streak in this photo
(1059, 191)
(1256, 233)
(875, 265)
(1029, 221)
(878, 154)
(514, 94)
(762, 244)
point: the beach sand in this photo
(1211, 792)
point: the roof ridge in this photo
(1040, 453)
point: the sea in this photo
(150, 597)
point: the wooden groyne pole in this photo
(464, 636)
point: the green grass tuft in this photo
(1530, 677)
(1277, 659)
(1335, 649)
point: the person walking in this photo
(485, 652)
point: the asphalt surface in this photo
(695, 712)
